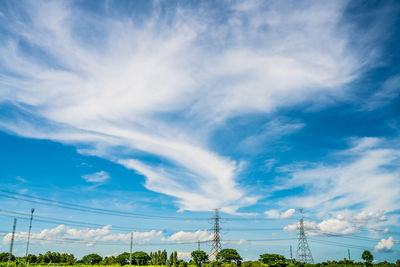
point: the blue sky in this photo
(172, 109)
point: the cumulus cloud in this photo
(275, 214)
(182, 236)
(308, 225)
(326, 227)
(98, 177)
(184, 255)
(385, 244)
(161, 89)
(84, 236)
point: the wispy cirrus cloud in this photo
(98, 177)
(162, 85)
(367, 176)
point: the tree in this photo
(164, 257)
(273, 260)
(175, 257)
(398, 262)
(199, 257)
(367, 256)
(4, 257)
(49, 257)
(30, 258)
(181, 263)
(67, 258)
(229, 255)
(140, 258)
(171, 259)
(108, 261)
(252, 264)
(92, 259)
(123, 258)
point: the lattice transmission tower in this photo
(303, 250)
(216, 242)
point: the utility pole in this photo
(291, 255)
(12, 239)
(303, 250)
(29, 232)
(198, 245)
(348, 252)
(216, 242)
(130, 254)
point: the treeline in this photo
(138, 258)
(199, 258)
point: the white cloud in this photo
(182, 236)
(269, 164)
(275, 214)
(385, 244)
(326, 227)
(288, 214)
(184, 255)
(85, 236)
(308, 225)
(119, 92)
(19, 178)
(336, 226)
(98, 177)
(367, 176)
(366, 216)
(384, 96)
(270, 132)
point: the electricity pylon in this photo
(216, 242)
(303, 250)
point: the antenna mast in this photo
(29, 232)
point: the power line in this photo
(78, 207)
(102, 242)
(167, 243)
(52, 220)
(83, 208)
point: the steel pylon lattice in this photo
(303, 250)
(216, 242)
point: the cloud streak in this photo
(162, 85)
(367, 176)
(98, 177)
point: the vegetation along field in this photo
(199, 258)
